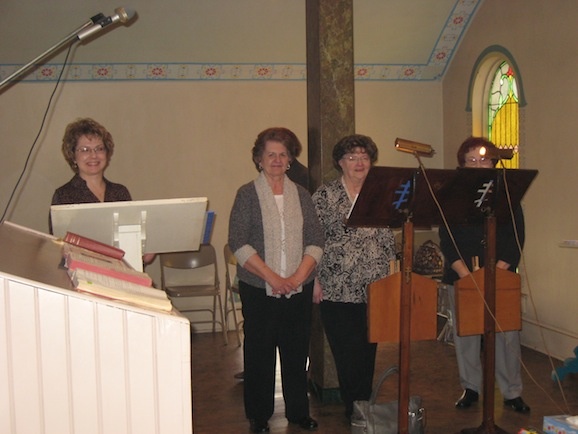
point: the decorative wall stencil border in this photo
(163, 72)
(214, 72)
(440, 58)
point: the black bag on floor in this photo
(370, 417)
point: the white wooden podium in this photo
(76, 363)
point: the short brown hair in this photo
(276, 134)
(84, 127)
(349, 143)
(473, 143)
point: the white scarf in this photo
(293, 225)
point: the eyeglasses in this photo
(479, 162)
(364, 158)
(474, 160)
(85, 150)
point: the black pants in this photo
(346, 330)
(269, 324)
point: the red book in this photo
(75, 257)
(93, 245)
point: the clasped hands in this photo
(285, 285)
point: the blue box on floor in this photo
(558, 425)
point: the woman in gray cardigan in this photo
(277, 240)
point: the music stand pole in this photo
(405, 328)
(488, 426)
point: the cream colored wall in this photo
(192, 138)
(173, 139)
(181, 138)
(167, 31)
(387, 110)
(188, 139)
(541, 36)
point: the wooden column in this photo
(330, 116)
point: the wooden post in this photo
(405, 328)
(488, 426)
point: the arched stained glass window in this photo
(503, 113)
(497, 102)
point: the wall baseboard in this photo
(548, 339)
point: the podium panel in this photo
(470, 307)
(77, 363)
(384, 307)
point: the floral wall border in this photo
(215, 72)
(438, 61)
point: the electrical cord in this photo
(34, 143)
(525, 270)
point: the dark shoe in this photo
(517, 404)
(307, 423)
(259, 426)
(467, 399)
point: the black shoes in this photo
(467, 399)
(259, 426)
(517, 404)
(470, 396)
(307, 423)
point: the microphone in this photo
(96, 23)
(414, 147)
(122, 15)
(497, 153)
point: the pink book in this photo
(77, 257)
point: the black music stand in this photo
(509, 186)
(387, 199)
(395, 197)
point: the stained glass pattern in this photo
(503, 113)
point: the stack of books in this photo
(99, 269)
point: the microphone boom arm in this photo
(56, 47)
(94, 24)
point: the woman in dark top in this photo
(469, 243)
(87, 147)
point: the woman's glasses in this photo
(355, 158)
(85, 150)
(478, 162)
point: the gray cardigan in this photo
(246, 228)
